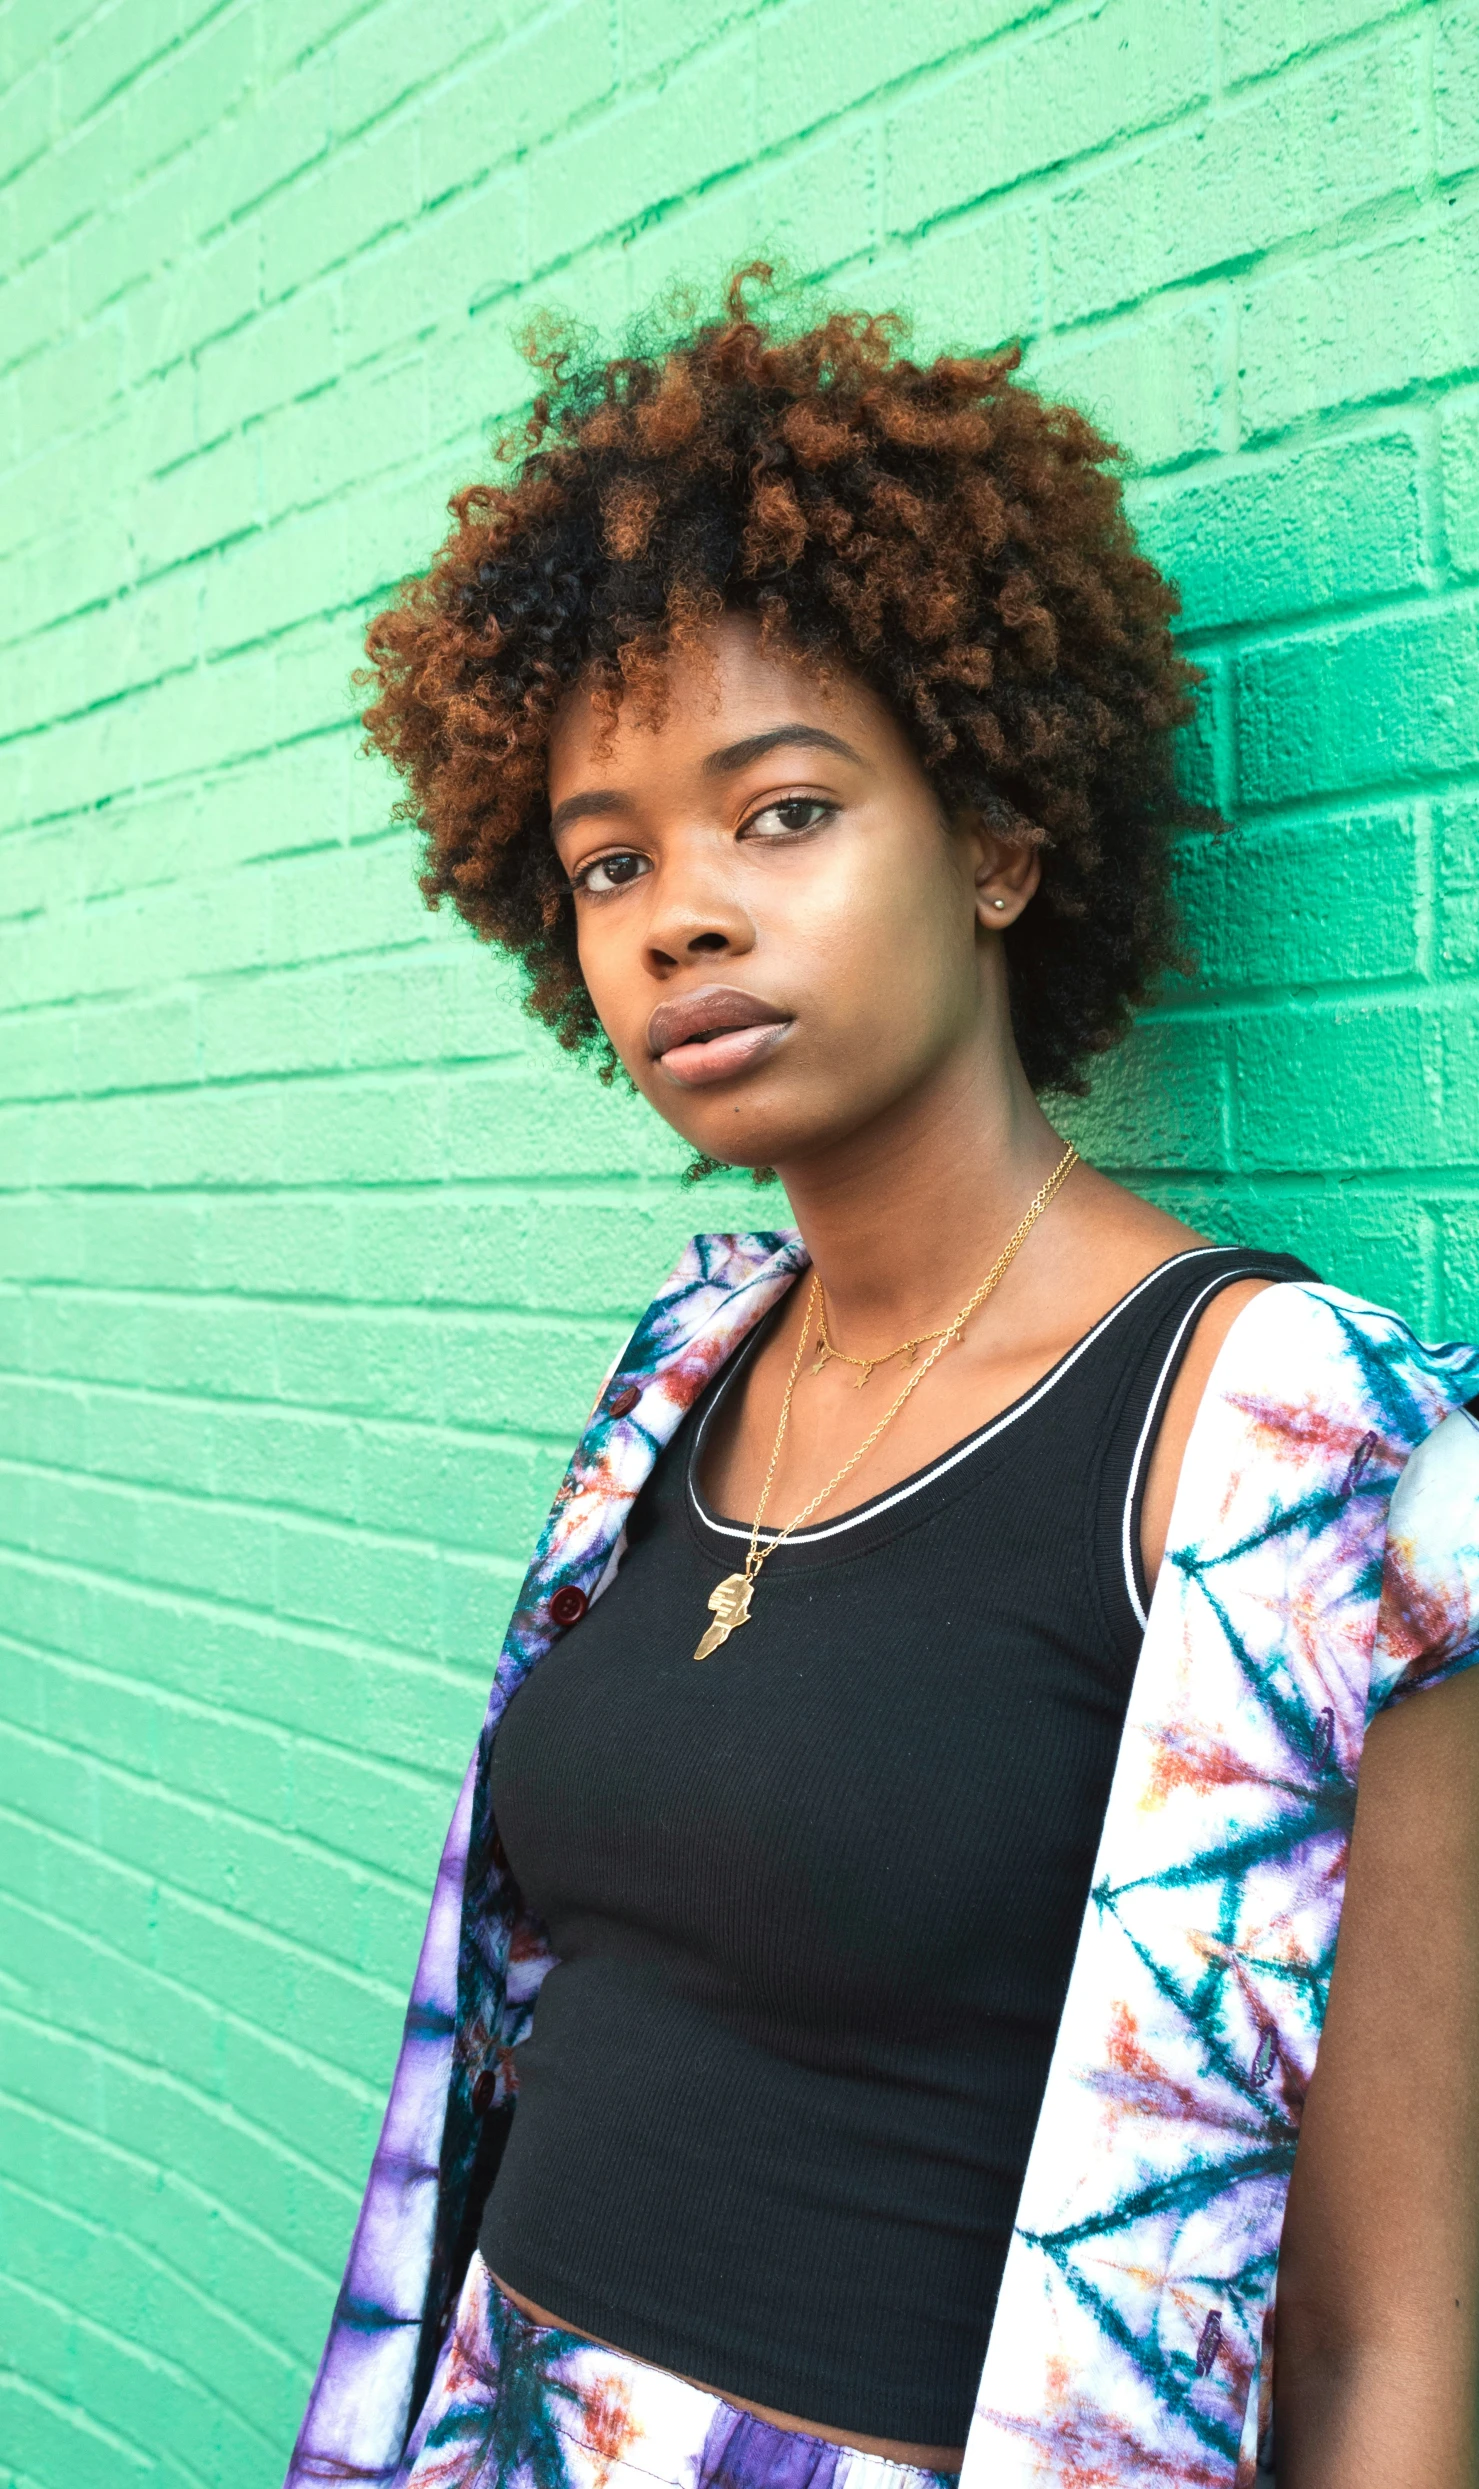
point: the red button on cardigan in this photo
(568, 1605)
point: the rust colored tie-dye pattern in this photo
(515, 2405)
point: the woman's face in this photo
(781, 934)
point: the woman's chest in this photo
(887, 1785)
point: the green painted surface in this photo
(310, 1247)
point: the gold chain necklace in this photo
(826, 1351)
(730, 1601)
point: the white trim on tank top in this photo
(1153, 1412)
(972, 1443)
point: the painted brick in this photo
(550, 74)
(1291, 1076)
(370, 1364)
(288, 42)
(1379, 1238)
(67, 183)
(151, 227)
(68, 386)
(1204, 764)
(27, 119)
(266, 143)
(44, 1422)
(311, 1249)
(122, 42)
(212, 292)
(525, 1252)
(1154, 383)
(826, 191)
(969, 283)
(659, 145)
(10, 412)
(352, 201)
(289, 352)
(34, 306)
(818, 57)
(1333, 526)
(1376, 703)
(1361, 325)
(1225, 187)
(1456, 879)
(1256, 39)
(1456, 88)
(203, 502)
(1461, 485)
(194, 85)
(386, 57)
(1339, 902)
(1458, 1038)
(1163, 1097)
(283, 575)
(1456, 1252)
(472, 250)
(363, 424)
(1052, 97)
(91, 559)
(97, 655)
(27, 34)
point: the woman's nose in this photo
(695, 915)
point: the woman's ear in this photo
(1007, 872)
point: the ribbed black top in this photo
(816, 1901)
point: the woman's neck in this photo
(902, 1219)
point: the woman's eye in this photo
(610, 873)
(793, 813)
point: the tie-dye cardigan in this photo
(1323, 1561)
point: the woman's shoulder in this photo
(1334, 1445)
(1315, 1404)
(1302, 1351)
(1429, 1624)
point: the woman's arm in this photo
(1377, 2351)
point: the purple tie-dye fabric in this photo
(1130, 2337)
(482, 1962)
(515, 2405)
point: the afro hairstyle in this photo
(936, 528)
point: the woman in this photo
(904, 1896)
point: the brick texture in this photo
(310, 1247)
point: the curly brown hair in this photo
(958, 544)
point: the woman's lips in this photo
(714, 1033)
(719, 1058)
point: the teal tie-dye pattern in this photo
(1304, 1587)
(1131, 2337)
(515, 2405)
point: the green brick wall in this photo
(310, 1248)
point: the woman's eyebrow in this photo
(754, 747)
(595, 800)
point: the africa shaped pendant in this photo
(730, 1602)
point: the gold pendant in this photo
(730, 1602)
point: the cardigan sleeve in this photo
(1428, 1626)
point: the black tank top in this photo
(816, 1901)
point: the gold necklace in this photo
(826, 1351)
(730, 1601)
